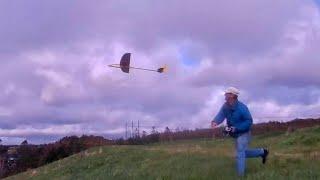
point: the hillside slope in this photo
(293, 156)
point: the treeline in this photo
(28, 156)
(257, 129)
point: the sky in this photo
(55, 81)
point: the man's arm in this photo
(219, 117)
(247, 120)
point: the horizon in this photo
(18, 141)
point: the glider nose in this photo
(162, 69)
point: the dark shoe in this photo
(265, 155)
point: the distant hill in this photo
(28, 156)
(293, 155)
(32, 156)
(257, 129)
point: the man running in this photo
(239, 122)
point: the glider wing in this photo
(125, 62)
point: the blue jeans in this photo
(242, 143)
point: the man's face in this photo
(229, 98)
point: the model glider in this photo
(125, 65)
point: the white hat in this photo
(232, 90)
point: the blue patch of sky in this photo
(188, 59)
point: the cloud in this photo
(54, 56)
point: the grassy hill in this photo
(292, 156)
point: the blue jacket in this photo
(237, 116)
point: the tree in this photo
(25, 142)
(144, 134)
(153, 131)
(167, 130)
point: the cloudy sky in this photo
(54, 55)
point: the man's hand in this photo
(230, 129)
(213, 124)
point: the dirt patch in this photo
(289, 155)
(33, 173)
(315, 155)
(194, 149)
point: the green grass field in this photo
(294, 156)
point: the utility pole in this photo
(132, 129)
(126, 129)
(138, 129)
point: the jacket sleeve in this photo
(247, 120)
(220, 116)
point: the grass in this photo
(293, 156)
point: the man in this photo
(239, 122)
